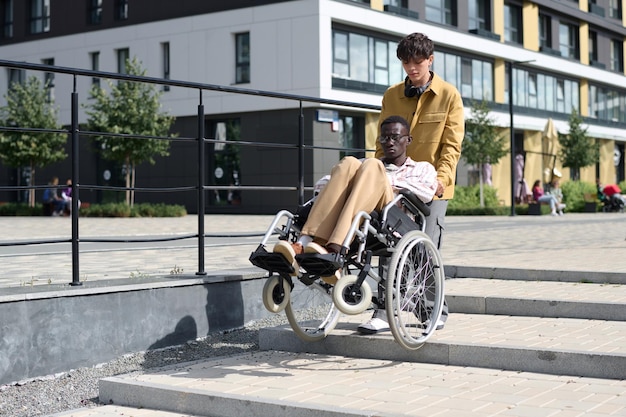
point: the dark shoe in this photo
(378, 323)
(315, 248)
(289, 251)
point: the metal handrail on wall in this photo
(74, 132)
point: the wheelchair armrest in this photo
(416, 201)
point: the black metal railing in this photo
(74, 132)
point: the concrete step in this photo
(119, 411)
(529, 359)
(287, 384)
(537, 298)
(558, 346)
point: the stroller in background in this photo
(613, 200)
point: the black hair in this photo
(415, 45)
(396, 119)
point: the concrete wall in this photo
(43, 333)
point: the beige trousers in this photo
(354, 186)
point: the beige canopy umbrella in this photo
(550, 138)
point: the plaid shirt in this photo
(419, 177)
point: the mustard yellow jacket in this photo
(437, 125)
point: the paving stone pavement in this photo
(574, 242)
(331, 385)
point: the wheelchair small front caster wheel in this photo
(348, 298)
(276, 294)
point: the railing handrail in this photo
(74, 133)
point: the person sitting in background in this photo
(558, 194)
(361, 185)
(540, 197)
(66, 194)
(52, 199)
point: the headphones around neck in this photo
(412, 91)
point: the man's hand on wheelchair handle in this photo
(440, 189)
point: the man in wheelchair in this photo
(360, 185)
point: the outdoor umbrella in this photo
(550, 137)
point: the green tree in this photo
(577, 149)
(28, 106)
(131, 108)
(483, 143)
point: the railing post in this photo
(301, 157)
(75, 188)
(201, 193)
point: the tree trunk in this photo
(480, 181)
(132, 181)
(31, 192)
(127, 178)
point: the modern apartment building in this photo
(563, 54)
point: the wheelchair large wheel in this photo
(276, 294)
(414, 290)
(350, 300)
(310, 310)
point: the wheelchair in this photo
(389, 246)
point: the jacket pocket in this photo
(431, 126)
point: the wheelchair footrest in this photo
(271, 262)
(320, 264)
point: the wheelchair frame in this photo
(410, 274)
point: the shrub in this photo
(574, 194)
(20, 209)
(469, 197)
(138, 210)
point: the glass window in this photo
(95, 12)
(545, 31)
(48, 80)
(16, 76)
(532, 90)
(478, 14)
(7, 19)
(615, 9)
(364, 62)
(39, 16)
(607, 103)
(593, 46)
(121, 9)
(242, 62)
(472, 77)
(341, 65)
(441, 11)
(568, 40)
(165, 55)
(359, 57)
(544, 91)
(123, 55)
(396, 3)
(513, 23)
(94, 57)
(381, 60)
(224, 163)
(617, 56)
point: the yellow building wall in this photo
(583, 5)
(501, 176)
(377, 5)
(530, 16)
(583, 31)
(371, 133)
(499, 80)
(607, 167)
(498, 18)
